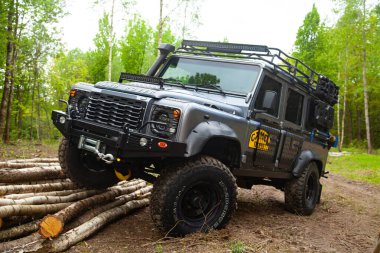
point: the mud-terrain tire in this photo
(83, 168)
(302, 194)
(197, 195)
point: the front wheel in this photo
(84, 168)
(302, 194)
(198, 195)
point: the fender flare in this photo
(304, 159)
(203, 132)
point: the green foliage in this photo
(238, 247)
(356, 166)
(136, 46)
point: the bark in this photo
(31, 174)
(88, 228)
(338, 121)
(33, 160)
(14, 221)
(38, 200)
(358, 124)
(344, 100)
(8, 67)
(68, 185)
(160, 25)
(24, 244)
(20, 230)
(14, 210)
(52, 193)
(14, 60)
(365, 89)
(57, 221)
(139, 194)
(8, 165)
(111, 44)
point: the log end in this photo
(51, 226)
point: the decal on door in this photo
(259, 140)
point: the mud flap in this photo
(319, 194)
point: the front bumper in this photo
(119, 143)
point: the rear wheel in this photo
(84, 168)
(302, 194)
(198, 195)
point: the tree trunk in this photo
(344, 99)
(39, 200)
(32, 160)
(34, 194)
(20, 230)
(8, 165)
(7, 189)
(365, 90)
(338, 120)
(24, 244)
(8, 68)
(160, 25)
(31, 174)
(110, 42)
(358, 124)
(78, 234)
(6, 137)
(15, 210)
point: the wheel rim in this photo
(311, 189)
(199, 204)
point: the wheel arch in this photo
(306, 157)
(217, 140)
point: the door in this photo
(264, 127)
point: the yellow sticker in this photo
(261, 141)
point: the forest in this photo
(36, 70)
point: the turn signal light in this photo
(162, 144)
(176, 114)
(73, 93)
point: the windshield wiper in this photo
(212, 86)
(174, 81)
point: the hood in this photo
(154, 91)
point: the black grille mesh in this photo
(115, 111)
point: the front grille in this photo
(115, 111)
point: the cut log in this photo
(53, 193)
(67, 185)
(32, 160)
(20, 230)
(25, 244)
(31, 174)
(13, 221)
(50, 181)
(139, 194)
(9, 166)
(70, 238)
(38, 200)
(7, 211)
(75, 209)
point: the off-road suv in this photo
(205, 119)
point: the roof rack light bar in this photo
(224, 47)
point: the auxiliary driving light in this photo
(62, 120)
(143, 142)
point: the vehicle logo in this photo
(259, 140)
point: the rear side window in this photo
(294, 107)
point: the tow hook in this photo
(107, 158)
(325, 173)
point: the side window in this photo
(269, 84)
(294, 106)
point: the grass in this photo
(356, 166)
(238, 247)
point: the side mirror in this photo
(269, 101)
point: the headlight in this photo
(165, 121)
(78, 102)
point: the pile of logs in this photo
(43, 211)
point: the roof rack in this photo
(295, 68)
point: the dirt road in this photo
(346, 220)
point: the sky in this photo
(266, 22)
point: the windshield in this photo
(222, 76)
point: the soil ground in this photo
(346, 220)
